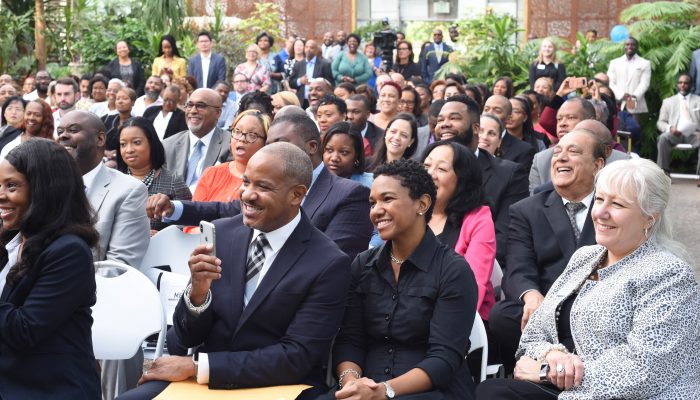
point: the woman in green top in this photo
(351, 66)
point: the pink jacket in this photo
(477, 243)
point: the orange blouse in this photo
(218, 184)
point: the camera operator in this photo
(385, 41)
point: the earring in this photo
(646, 232)
(420, 213)
(357, 163)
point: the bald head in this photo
(295, 164)
(82, 134)
(203, 115)
(600, 131)
(290, 110)
(499, 106)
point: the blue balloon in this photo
(619, 33)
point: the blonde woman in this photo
(547, 65)
(283, 98)
(257, 73)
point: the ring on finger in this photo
(560, 368)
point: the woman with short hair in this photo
(621, 321)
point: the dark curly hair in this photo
(413, 177)
(58, 205)
(256, 97)
(334, 100)
(468, 193)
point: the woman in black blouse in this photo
(404, 63)
(547, 65)
(412, 301)
(141, 155)
(128, 69)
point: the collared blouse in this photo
(423, 322)
(636, 328)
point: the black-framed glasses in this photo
(248, 137)
(199, 106)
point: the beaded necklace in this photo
(148, 179)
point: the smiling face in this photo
(489, 135)
(111, 92)
(389, 100)
(619, 224)
(99, 91)
(547, 48)
(439, 92)
(453, 122)
(317, 90)
(353, 45)
(33, 117)
(268, 200)
(78, 138)
(392, 210)
(439, 164)
(339, 155)
(15, 196)
(134, 148)
(500, 88)
(122, 50)
(398, 138)
(543, 86)
(201, 122)
(240, 148)
(299, 48)
(573, 167)
(630, 47)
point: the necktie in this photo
(195, 157)
(572, 209)
(256, 260)
(685, 113)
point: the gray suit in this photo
(423, 139)
(120, 203)
(177, 149)
(670, 116)
(541, 164)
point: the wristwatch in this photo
(544, 370)
(390, 394)
(195, 361)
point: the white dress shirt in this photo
(161, 124)
(581, 215)
(206, 60)
(12, 255)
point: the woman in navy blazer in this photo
(47, 276)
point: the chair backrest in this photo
(496, 278)
(127, 311)
(171, 247)
(479, 340)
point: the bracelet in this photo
(555, 347)
(195, 309)
(344, 374)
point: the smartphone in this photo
(579, 83)
(208, 235)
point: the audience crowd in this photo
(362, 209)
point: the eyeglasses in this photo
(241, 81)
(248, 137)
(199, 106)
(403, 48)
(406, 102)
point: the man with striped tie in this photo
(264, 310)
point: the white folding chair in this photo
(170, 247)
(496, 278)
(684, 147)
(479, 340)
(128, 310)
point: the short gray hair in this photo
(295, 163)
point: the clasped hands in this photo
(361, 389)
(565, 370)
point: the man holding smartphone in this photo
(264, 312)
(629, 79)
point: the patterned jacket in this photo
(636, 329)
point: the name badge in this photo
(540, 66)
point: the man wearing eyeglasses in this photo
(434, 55)
(240, 88)
(189, 152)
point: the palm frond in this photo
(661, 10)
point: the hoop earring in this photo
(646, 232)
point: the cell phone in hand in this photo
(208, 235)
(579, 83)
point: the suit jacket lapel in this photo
(214, 148)
(559, 221)
(486, 172)
(285, 260)
(318, 193)
(182, 152)
(237, 252)
(99, 189)
(317, 68)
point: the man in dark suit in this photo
(542, 236)
(167, 119)
(512, 148)
(434, 55)
(303, 72)
(207, 66)
(504, 182)
(336, 206)
(265, 311)
(189, 152)
(358, 115)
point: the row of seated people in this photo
(292, 325)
